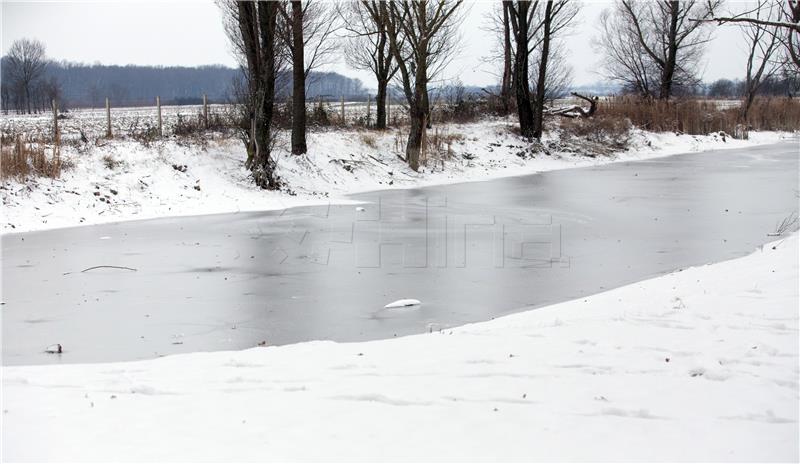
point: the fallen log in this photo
(575, 111)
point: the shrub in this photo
(612, 132)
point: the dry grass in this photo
(24, 158)
(774, 114)
(599, 135)
(439, 147)
(698, 117)
(369, 140)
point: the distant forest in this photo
(78, 85)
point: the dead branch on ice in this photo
(101, 267)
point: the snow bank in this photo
(124, 180)
(697, 365)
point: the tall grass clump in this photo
(700, 117)
(20, 159)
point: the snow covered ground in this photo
(698, 365)
(123, 179)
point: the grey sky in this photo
(190, 32)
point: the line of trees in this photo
(781, 84)
(653, 49)
(80, 85)
(414, 40)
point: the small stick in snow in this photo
(54, 349)
(376, 159)
(104, 266)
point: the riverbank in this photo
(696, 365)
(122, 180)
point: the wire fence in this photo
(165, 121)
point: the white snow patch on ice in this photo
(403, 303)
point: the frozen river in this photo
(469, 252)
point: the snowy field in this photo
(699, 365)
(124, 179)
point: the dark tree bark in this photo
(420, 111)
(384, 67)
(380, 103)
(505, 85)
(426, 102)
(521, 28)
(257, 29)
(538, 117)
(298, 82)
(668, 69)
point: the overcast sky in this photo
(189, 32)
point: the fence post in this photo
(369, 101)
(55, 122)
(388, 111)
(158, 106)
(108, 119)
(342, 103)
(205, 110)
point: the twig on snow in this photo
(103, 266)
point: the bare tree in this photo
(306, 29)
(788, 23)
(368, 47)
(252, 29)
(27, 61)
(626, 61)
(535, 27)
(505, 85)
(672, 44)
(762, 44)
(498, 24)
(423, 38)
(557, 16)
(559, 72)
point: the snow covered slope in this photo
(123, 179)
(697, 365)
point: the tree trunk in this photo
(380, 102)
(260, 55)
(28, 96)
(522, 89)
(668, 71)
(426, 104)
(298, 82)
(248, 30)
(505, 86)
(415, 135)
(538, 117)
(419, 111)
(749, 97)
(383, 68)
